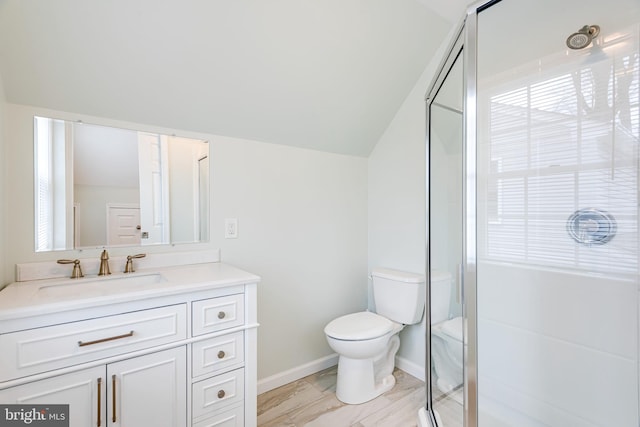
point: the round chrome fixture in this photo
(583, 37)
(591, 226)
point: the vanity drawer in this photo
(231, 418)
(38, 350)
(215, 314)
(218, 353)
(208, 396)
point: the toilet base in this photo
(361, 380)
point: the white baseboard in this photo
(411, 368)
(294, 374)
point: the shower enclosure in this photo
(533, 200)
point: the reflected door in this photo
(123, 225)
(154, 188)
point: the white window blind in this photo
(43, 181)
(564, 141)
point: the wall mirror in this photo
(100, 186)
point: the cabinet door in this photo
(83, 391)
(149, 390)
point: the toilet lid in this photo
(453, 328)
(359, 326)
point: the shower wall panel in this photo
(559, 348)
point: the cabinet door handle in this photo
(221, 394)
(221, 315)
(113, 398)
(117, 337)
(221, 354)
(99, 401)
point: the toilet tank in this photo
(398, 295)
(440, 296)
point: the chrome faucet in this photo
(77, 270)
(104, 264)
(128, 268)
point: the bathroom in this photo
(311, 223)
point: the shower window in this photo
(559, 142)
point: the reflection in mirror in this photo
(445, 247)
(99, 186)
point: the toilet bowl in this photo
(367, 342)
(446, 335)
(447, 353)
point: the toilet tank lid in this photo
(440, 275)
(397, 275)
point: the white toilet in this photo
(446, 335)
(367, 342)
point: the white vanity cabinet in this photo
(82, 390)
(147, 390)
(181, 356)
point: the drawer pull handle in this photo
(221, 394)
(117, 337)
(221, 354)
(221, 315)
(113, 398)
(99, 401)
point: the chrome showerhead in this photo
(583, 37)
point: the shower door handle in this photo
(459, 284)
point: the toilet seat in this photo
(360, 326)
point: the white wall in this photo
(302, 218)
(302, 222)
(397, 200)
(183, 184)
(92, 201)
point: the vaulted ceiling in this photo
(321, 74)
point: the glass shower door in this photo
(445, 153)
(558, 136)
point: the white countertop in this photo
(38, 297)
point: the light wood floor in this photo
(449, 407)
(312, 402)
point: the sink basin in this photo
(99, 286)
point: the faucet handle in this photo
(104, 264)
(128, 268)
(77, 270)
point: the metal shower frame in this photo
(464, 45)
